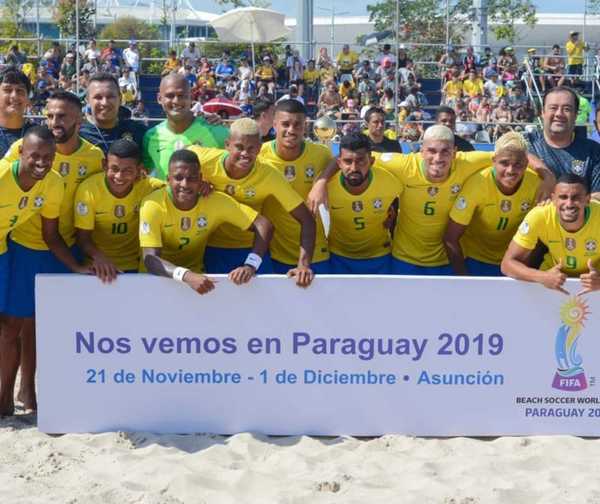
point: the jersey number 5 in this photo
(359, 223)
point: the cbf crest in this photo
(570, 243)
(202, 222)
(64, 169)
(377, 204)
(186, 223)
(578, 167)
(119, 211)
(432, 191)
(250, 192)
(289, 172)
(38, 201)
(309, 172)
(525, 206)
(591, 245)
(505, 205)
(455, 189)
(127, 136)
(357, 206)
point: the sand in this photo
(143, 468)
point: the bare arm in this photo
(263, 232)
(452, 244)
(104, 267)
(59, 248)
(514, 265)
(547, 176)
(303, 273)
(160, 267)
(318, 193)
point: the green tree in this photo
(66, 20)
(264, 4)
(425, 20)
(14, 13)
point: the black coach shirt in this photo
(582, 157)
(103, 138)
(463, 145)
(9, 136)
(386, 145)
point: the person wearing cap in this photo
(533, 61)
(266, 74)
(574, 48)
(345, 61)
(131, 56)
(191, 52)
(69, 67)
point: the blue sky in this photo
(358, 7)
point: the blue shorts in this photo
(319, 268)
(478, 268)
(4, 279)
(403, 268)
(223, 260)
(340, 265)
(25, 263)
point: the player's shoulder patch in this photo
(461, 203)
(524, 228)
(82, 209)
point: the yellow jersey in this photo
(262, 181)
(182, 235)
(453, 89)
(473, 88)
(311, 76)
(490, 216)
(575, 249)
(300, 174)
(74, 169)
(425, 205)
(574, 52)
(114, 221)
(346, 62)
(18, 206)
(357, 220)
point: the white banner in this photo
(349, 355)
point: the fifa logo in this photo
(569, 375)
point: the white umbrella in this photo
(250, 24)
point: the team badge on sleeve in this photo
(570, 243)
(23, 202)
(505, 205)
(289, 172)
(38, 201)
(202, 222)
(119, 211)
(357, 206)
(186, 223)
(82, 208)
(432, 191)
(524, 228)
(145, 228)
(461, 203)
(386, 157)
(64, 169)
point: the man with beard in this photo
(75, 159)
(300, 163)
(180, 129)
(570, 229)
(103, 125)
(14, 99)
(359, 199)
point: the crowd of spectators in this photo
(487, 91)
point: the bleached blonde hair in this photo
(439, 132)
(244, 127)
(511, 141)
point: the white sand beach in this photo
(142, 468)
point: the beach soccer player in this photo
(176, 223)
(490, 208)
(106, 210)
(570, 229)
(237, 172)
(359, 199)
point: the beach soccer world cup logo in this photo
(570, 375)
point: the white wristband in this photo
(253, 260)
(178, 273)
